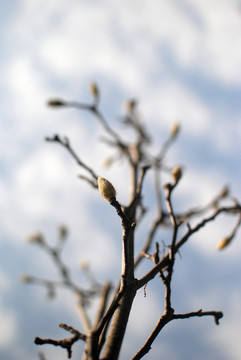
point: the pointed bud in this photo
(63, 232)
(130, 105)
(108, 162)
(26, 279)
(106, 189)
(176, 174)
(175, 128)
(94, 90)
(84, 265)
(224, 242)
(56, 103)
(36, 238)
(224, 192)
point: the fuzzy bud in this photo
(84, 265)
(56, 103)
(176, 174)
(94, 90)
(224, 242)
(175, 128)
(225, 192)
(106, 189)
(26, 279)
(63, 232)
(130, 105)
(36, 238)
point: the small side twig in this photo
(64, 343)
(67, 145)
(199, 313)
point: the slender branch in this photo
(164, 319)
(200, 210)
(65, 343)
(164, 261)
(149, 240)
(95, 111)
(72, 331)
(199, 313)
(66, 144)
(104, 299)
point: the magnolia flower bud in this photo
(63, 232)
(174, 129)
(36, 238)
(130, 105)
(225, 192)
(224, 242)
(56, 103)
(106, 189)
(94, 90)
(26, 279)
(177, 174)
(84, 265)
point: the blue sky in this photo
(181, 60)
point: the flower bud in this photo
(36, 238)
(26, 279)
(84, 265)
(224, 242)
(56, 103)
(176, 174)
(94, 90)
(130, 105)
(63, 232)
(225, 192)
(106, 189)
(175, 128)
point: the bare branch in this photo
(164, 261)
(199, 313)
(66, 144)
(65, 343)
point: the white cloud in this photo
(7, 327)
(227, 337)
(71, 38)
(8, 322)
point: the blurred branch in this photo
(66, 144)
(164, 261)
(105, 335)
(64, 343)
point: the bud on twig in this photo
(130, 105)
(177, 174)
(36, 238)
(84, 265)
(56, 103)
(224, 242)
(225, 192)
(63, 232)
(26, 279)
(94, 90)
(106, 189)
(174, 130)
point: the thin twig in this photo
(164, 261)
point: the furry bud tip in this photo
(177, 174)
(106, 189)
(94, 90)
(56, 103)
(174, 130)
(224, 242)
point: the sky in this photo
(181, 60)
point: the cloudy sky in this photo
(181, 60)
